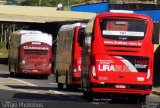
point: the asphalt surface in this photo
(19, 91)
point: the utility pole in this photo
(69, 4)
(1, 32)
(39, 2)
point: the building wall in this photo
(94, 8)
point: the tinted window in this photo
(123, 29)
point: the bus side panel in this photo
(13, 53)
(63, 55)
(75, 71)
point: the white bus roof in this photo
(121, 11)
(34, 36)
(28, 31)
(71, 26)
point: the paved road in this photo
(16, 90)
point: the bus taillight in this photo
(148, 74)
(74, 66)
(94, 71)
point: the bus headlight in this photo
(23, 62)
(74, 70)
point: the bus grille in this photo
(40, 52)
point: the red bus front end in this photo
(76, 57)
(120, 55)
(35, 58)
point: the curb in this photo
(156, 92)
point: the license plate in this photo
(120, 86)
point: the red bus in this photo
(30, 52)
(68, 56)
(117, 56)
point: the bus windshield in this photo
(123, 29)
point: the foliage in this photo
(3, 50)
(2, 44)
(11, 2)
(53, 3)
(48, 3)
(158, 3)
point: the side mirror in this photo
(81, 36)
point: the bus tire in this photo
(9, 67)
(60, 86)
(141, 99)
(70, 87)
(56, 75)
(11, 74)
(45, 77)
(88, 96)
(138, 99)
(66, 80)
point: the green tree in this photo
(11, 2)
(29, 3)
(49, 3)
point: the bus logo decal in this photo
(38, 48)
(131, 67)
(129, 43)
(115, 68)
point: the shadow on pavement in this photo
(4, 75)
(4, 61)
(32, 87)
(62, 97)
(46, 97)
(42, 88)
(72, 99)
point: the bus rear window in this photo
(123, 29)
(33, 51)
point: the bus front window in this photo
(123, 29)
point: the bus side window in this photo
(81, 36)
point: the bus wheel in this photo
(16, 74)
(9, 66)
(88, 96)
(141, 99)
(138, 99)
(45, 77)
(60, 86)
(56, 76)
(70, 87)
(11, 74)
